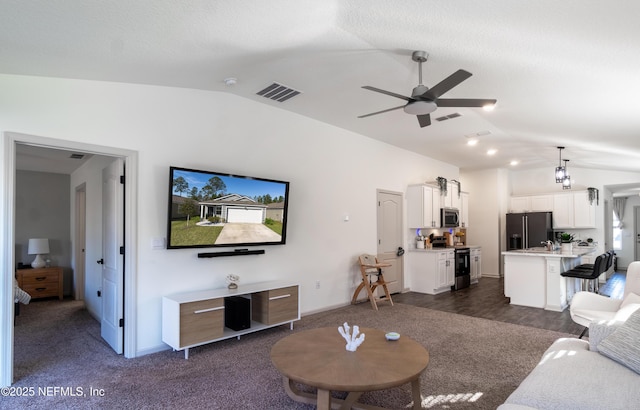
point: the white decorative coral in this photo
(353, 340)
(232, 281)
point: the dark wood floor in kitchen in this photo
(486, 300)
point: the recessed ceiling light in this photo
(489, 107)
(231, 81)
(492, 151)
(514, 163)
(472, 141)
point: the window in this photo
(617, 233)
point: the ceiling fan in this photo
(425, 100)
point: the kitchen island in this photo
(532, 276)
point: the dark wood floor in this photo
(486, 300)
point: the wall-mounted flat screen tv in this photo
(212, 209)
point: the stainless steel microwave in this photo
(449, 217)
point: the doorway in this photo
(390, 238)
(11, 140)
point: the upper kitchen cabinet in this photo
(584, 213)
(573, 210)
(423, 206)
(453, 197)
(532, 203)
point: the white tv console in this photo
(196, 318)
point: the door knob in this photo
(100, 261)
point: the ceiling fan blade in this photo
(380, 112)
(445, 85)
(368, 87)
(424, 120)
(464, 102)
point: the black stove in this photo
(463, 269)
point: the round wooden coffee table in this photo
(318, 358)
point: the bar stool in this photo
(589, 276)
(369, 267)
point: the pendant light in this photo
(560, 170)
(566, 181)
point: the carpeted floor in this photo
(475, 363)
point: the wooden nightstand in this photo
(41, 282)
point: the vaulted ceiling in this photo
(565, 73)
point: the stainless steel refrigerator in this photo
(528, 230)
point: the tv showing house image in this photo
(210, 209)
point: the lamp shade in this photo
(38, 246)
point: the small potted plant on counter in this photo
(566, 240)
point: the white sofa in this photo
(602, 373)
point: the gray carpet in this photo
(475, 363)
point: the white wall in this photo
(487, 205)
(41, 212)
(332, 172)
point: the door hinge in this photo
(121, 323)
(122, 179)
(122, 250)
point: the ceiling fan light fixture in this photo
(420, 107)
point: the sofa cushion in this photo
(569, 376)
(600, 330)
(622, 345)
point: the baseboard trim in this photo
(151, 350)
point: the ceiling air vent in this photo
(448, 117)
(278, 92)
(76, 156)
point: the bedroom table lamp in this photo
(38, 247)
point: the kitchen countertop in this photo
(444, 249)
(576, 252)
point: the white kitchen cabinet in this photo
(573, 210)
(519, 204)
(532, 203)
(476, 264)
(452, 199)
(541, 203)
(584, 213)
(563, 210)
(464, 210)
(433, 271)
(423, 206)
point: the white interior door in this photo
(112, 322)
(390, 237)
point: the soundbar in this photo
(235, 252)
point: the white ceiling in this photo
(563, 72)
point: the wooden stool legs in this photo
(366, 283)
